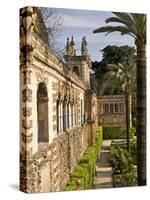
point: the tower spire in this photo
(72, 47)
(84, 47)
(67, 47)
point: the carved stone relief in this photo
(27, 124)
(27, 111)
(27, 138)
(27, 95)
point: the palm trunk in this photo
(127, 120)
(130, 110)
(141, 112)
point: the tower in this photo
(70, 47)
(84, 47)
(79, 64)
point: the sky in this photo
(79, 23)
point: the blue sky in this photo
(81, 23)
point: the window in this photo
(81, 112)
(42, 113)
(116, 107)
(76, 70)
(68, 124)
(111, 108)
(71, 115)
(64, 115)
(58, 111)
(40, 130)
(106, 109)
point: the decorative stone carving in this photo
(27, 17)
(27, 95)
(26, 154)
(27, 124)
(26, 54)
(27, 138)
(27, 111)
(27, 76)
(55, 97)
(54, 86)
(41, 77)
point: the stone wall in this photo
(46, 165)
(49, 169)
(111, 110)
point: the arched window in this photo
(76, 70)
(64, 115)
(81, 112)
(42, 113)
(111, 108)
(116, 107)
(106, 109)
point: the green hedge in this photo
(124, 170)
(82, 177)
(116, 132)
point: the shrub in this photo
(124, 171)
(116, 132)
(82, 176)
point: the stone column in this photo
(61, 114)
(27, 167)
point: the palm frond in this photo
(109, 29)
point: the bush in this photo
(82, 177)
(124, 171)
(116, 132)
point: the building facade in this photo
(111, 110)
(58, 109)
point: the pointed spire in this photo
(72, 43)
(84, 49)
(67, 47)
(72, 47)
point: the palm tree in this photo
(124, 76)
(135, 26)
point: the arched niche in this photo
(76, 70)
(42, 113)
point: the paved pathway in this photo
(103, 177)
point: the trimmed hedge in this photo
(124, 170)
(116, 132)
(82, 177)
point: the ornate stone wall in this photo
(59, 159)
(111, 110)
(46, 166)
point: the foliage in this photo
(133, 150)
(82, 177)
(116, 132)
(134, 25)
(125, 55)
(124, 170)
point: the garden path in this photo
(103, 174)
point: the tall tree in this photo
(111, 55)
(135, 26)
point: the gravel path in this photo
(103, 177)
